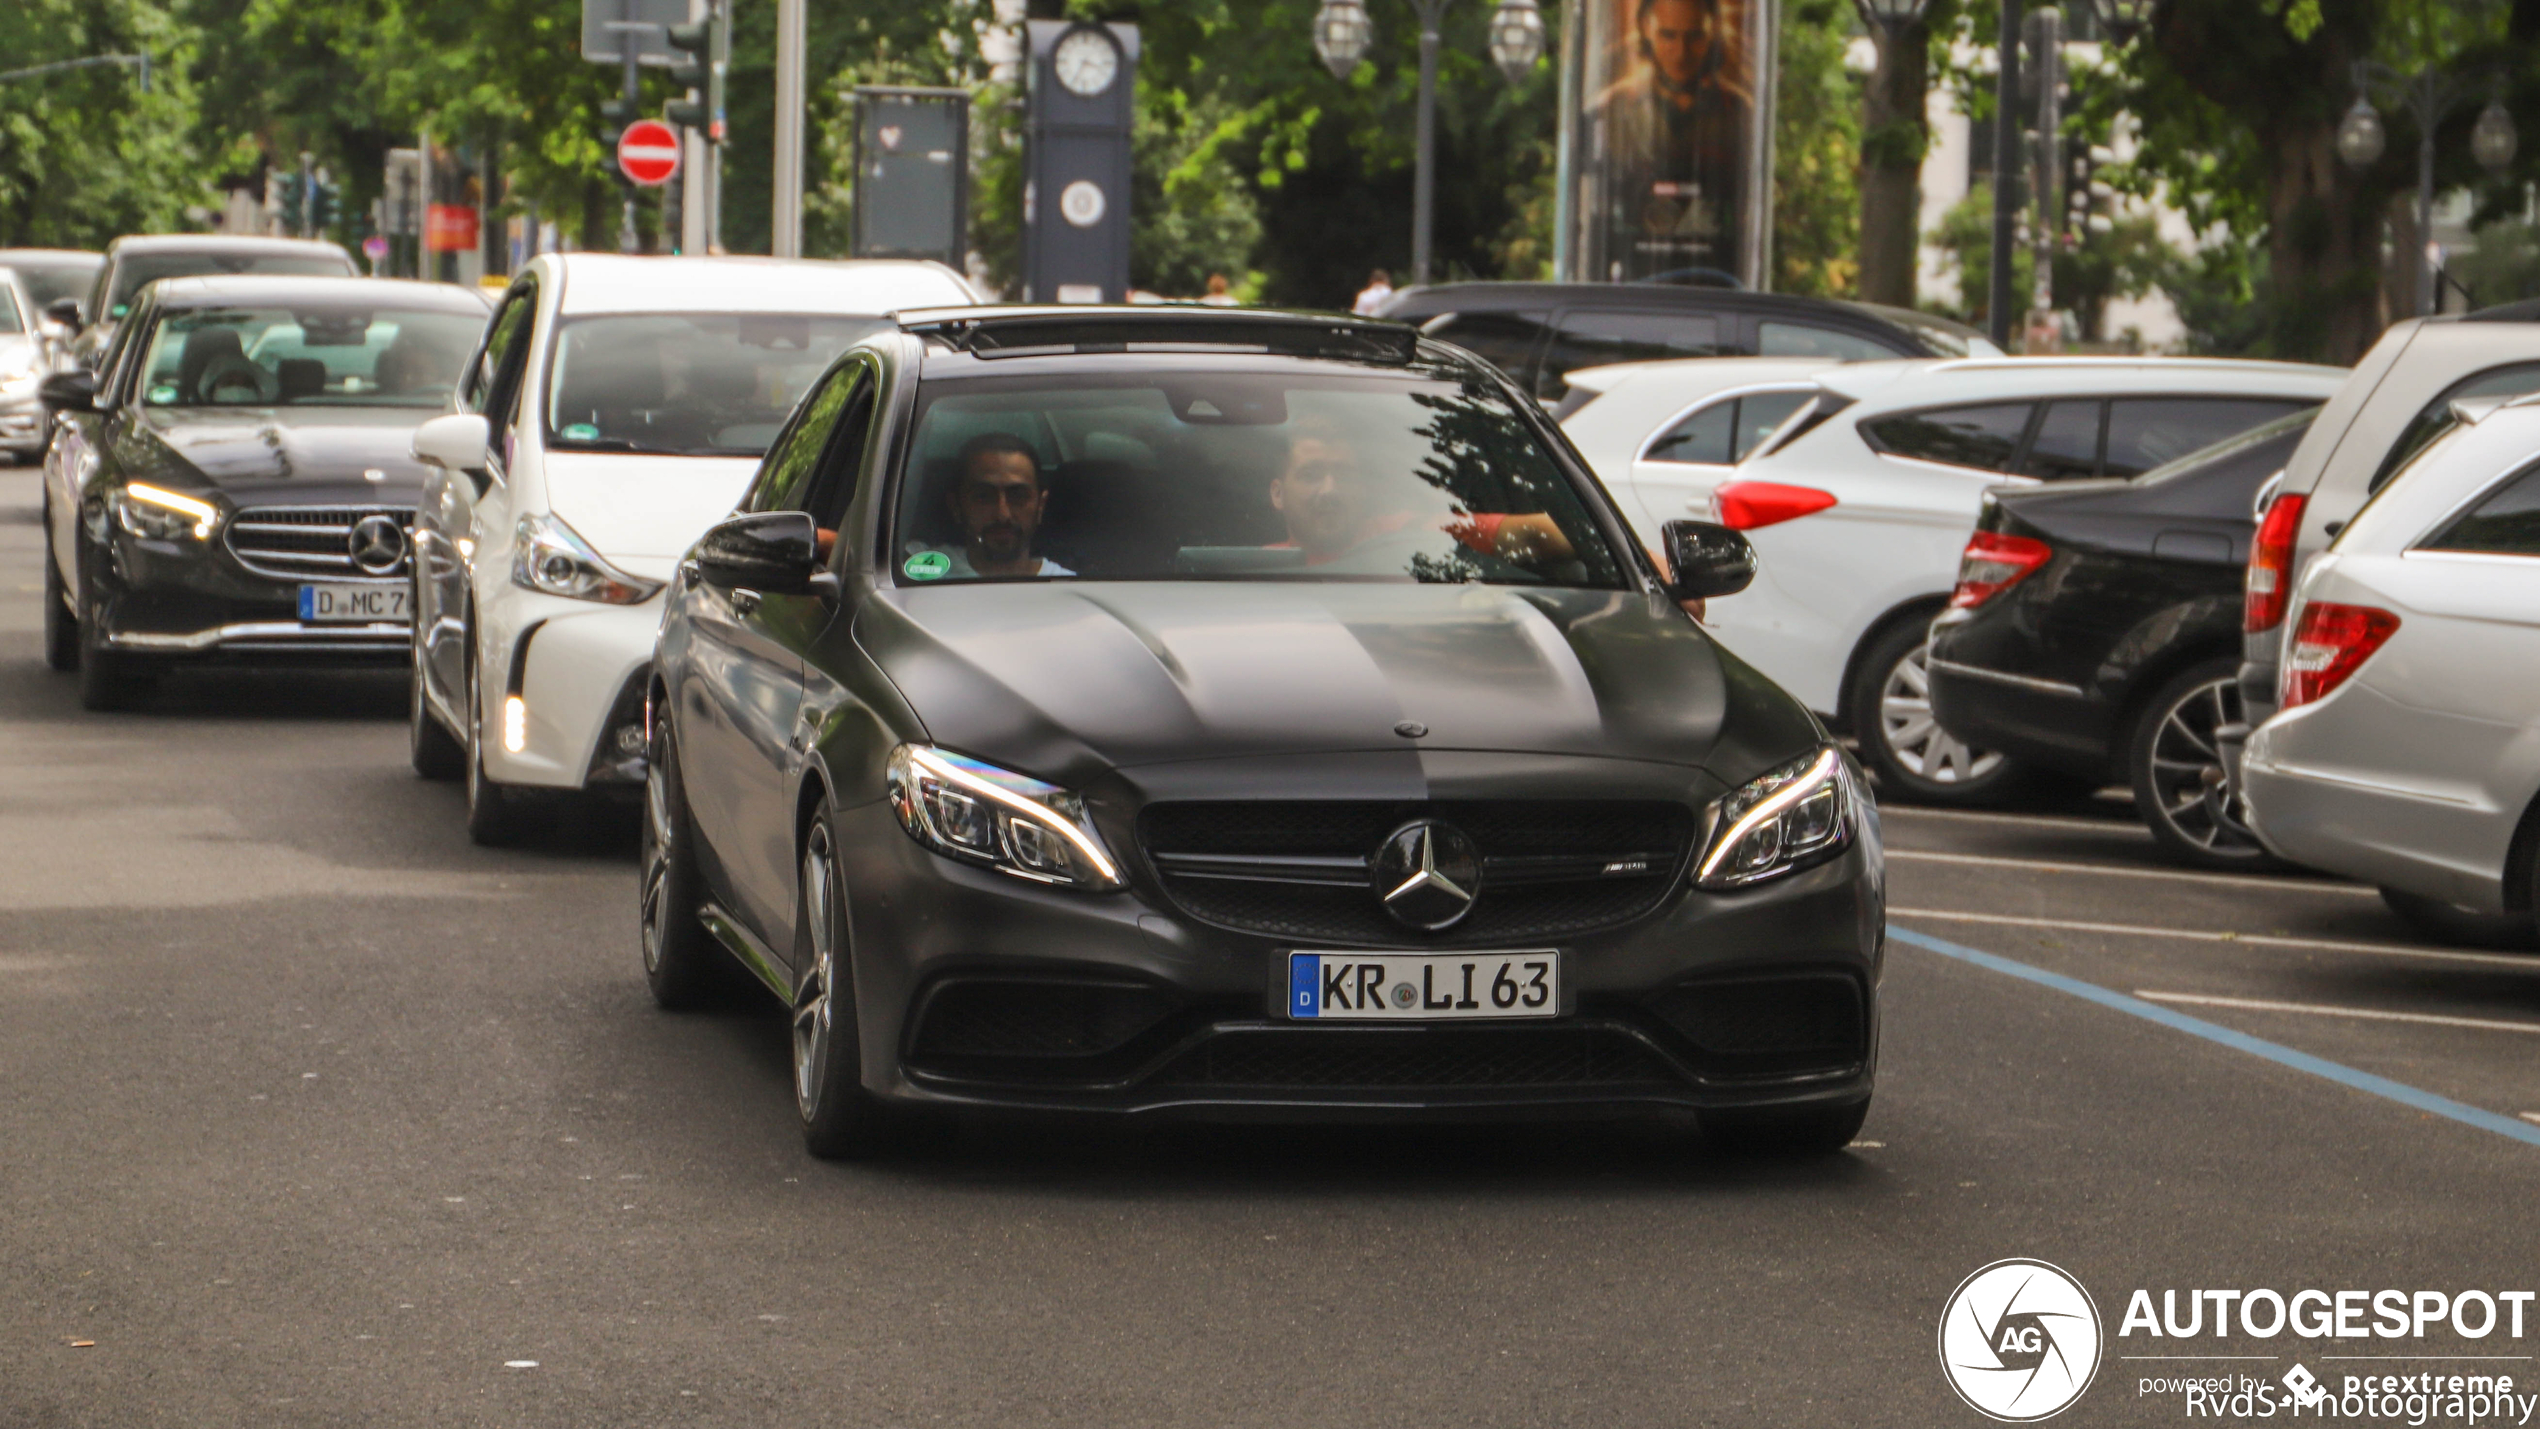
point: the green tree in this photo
(85, 154)
(1817, 155)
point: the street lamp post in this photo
(1342, 31)
(2429, 94)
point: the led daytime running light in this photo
(934, 763)
(1827, 766)
(205, 514)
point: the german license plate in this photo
(1395, 987)
(348, 601)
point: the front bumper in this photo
(193, 600)
(979, 990)
(578, 670)
(23, 427)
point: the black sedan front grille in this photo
(1301, 869)
(1410, 1059)
(312, 542)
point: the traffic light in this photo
(288, 198)
(322, 200)
(709, 41)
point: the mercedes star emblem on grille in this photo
(377, 544)
(1428, 874)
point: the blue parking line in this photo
(2399, 1092)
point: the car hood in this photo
(635, 507)
(295, 455)
(1067, 681)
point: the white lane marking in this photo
(2049, 821)
(2261, 1004)
(2267, 940)
(2239, 880)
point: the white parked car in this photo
(618, 408)
(2406, 747)
(1860, 501)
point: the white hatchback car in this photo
(618, 408)
(2406, 747)
(1860, 501)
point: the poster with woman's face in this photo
(1665, 142)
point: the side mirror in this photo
(1707, 559)
(64, 311)
(454, 443)
(72, 391)
(772, 552)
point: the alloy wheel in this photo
(2186, 770)
(815, 1002)
(1916, 739)
(658, 834)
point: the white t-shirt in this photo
(1371, 298)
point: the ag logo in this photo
(2019, 1340)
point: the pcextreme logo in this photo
(2019, 1340)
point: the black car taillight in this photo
(1993, 563)
(2270, 577)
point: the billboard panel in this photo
(1667, 150)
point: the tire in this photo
(1796, 1132)
(841, 1120)
(108, 679)
(682, 962)
(61, 627)
(2465, 927)
(429, 747)
(2175, 768)
(1914, 759)
(495, 812)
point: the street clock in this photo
(1082, 81)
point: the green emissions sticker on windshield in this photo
(927, 566)
(582, 432)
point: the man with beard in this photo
(1672, 138)
(998, 503)
(1338, 511)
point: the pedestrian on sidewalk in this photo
(1379, 287)
(1218, 294)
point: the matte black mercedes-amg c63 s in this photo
(1241, 715)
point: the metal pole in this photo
(1424, 183)
(2050, 74)
(628, 240)
(308, 208)
(426, 266)
(2006, 169)
(787, 225)
(2429, 110)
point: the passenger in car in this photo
(998, 501)
(1335, 508)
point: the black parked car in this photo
(234, 481)
(2096, 629)
(143, 258)
(1539, 332)
(1240, 715)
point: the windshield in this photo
(11, 321)
(1945, 338)
(136, 269)
(1298, 473)
(314, 356)
(49, 283)
(687, 384)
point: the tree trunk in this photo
(2323, 249)
(1895, 135)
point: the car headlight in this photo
(156, 515)
(552, 558)
(19, 382)
(1007, 821)
(1804, 812)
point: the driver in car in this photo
(998, 502)
(1336, 508)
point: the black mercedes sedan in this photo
(2095, 629)
(1235, 715)
(234, 480)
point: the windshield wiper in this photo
(611, 444)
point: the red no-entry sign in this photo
(648, 152)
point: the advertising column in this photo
(1668, 158)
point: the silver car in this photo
(2406, 749)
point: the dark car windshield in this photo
(687, 384)
(321, 355)
(47, 283)
(135, 269)
(1302, 472)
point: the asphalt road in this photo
(317, 1115)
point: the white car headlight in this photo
(1010, 822)
(551, 558)
(1804, 812)
(156, 515)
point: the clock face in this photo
(1087, 62)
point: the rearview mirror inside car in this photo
(771, 552)
(1706, 559)
(454, 443)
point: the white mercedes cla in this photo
(618, 408)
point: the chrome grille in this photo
(312, 542)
